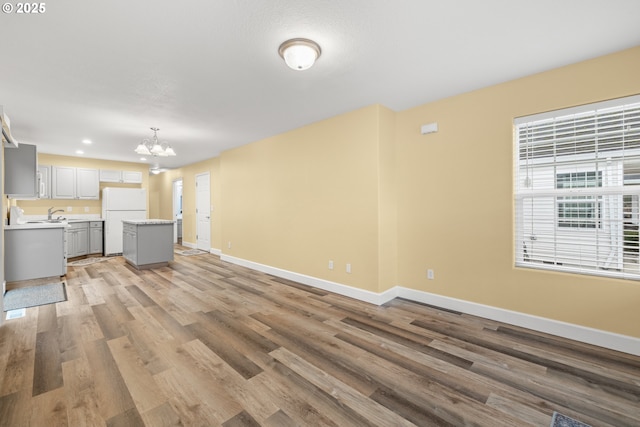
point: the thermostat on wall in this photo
(429, 128)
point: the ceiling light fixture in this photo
(299, 54)
(153, 147)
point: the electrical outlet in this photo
(86, 209)
(229, 245)
(430, 275)
(348, 268)
(69, 209)
(330, 265)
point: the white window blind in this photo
(577, 188)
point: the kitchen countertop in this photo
(36, 222)
(32, 225)
(148, 221)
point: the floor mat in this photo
(35, 295)
(560, 420)
(189, 252)
(86, 261)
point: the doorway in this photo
(203, 212)
(177, 211)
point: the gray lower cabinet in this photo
(147, 244)
(84, 238)
(77, 239)
(33, 253)
(95, 237)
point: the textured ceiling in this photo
(208, 74)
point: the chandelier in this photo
(153, 147)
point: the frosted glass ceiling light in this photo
(153, 147)
(299, 54)
(142, 149)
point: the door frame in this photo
(208, 213)
(176, 196)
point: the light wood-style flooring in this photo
(206, 343)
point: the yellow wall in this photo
(161, 189)
(366, 188)
(455, 198)
(81, 207)
(388, 203)
(297, 200)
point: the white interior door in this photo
(203, 212)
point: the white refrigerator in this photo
(120, 204)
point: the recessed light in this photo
(86, 141)
(143, 159)
(79, 152)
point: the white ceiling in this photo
(208, 74)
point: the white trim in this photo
(349, 291)
(216, 251)
(624, 343)
(613, 341)
(188, 244)
(580, 109)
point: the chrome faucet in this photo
(50, 212)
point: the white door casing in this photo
(203, 212)
(177, 206)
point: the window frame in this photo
(612, 217)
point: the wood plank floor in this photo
(206, 343)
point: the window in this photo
(577, 186)
(579, 211)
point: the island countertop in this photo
(148, 221)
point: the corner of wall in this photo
(387, 201)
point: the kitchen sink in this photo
(46, 221)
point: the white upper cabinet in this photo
(126, 177)
(107, 175)
(74, 183)
(63, 182)
(87, 184)
(132, 177)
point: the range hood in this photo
(7, 139)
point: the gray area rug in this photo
(560, 420)
(189, 252)
(86, 261)
(34, 296)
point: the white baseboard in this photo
(215, 251)
(349, 291)
(189, 244)
(618, 342)
(571, 331)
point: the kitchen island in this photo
(147, 243)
